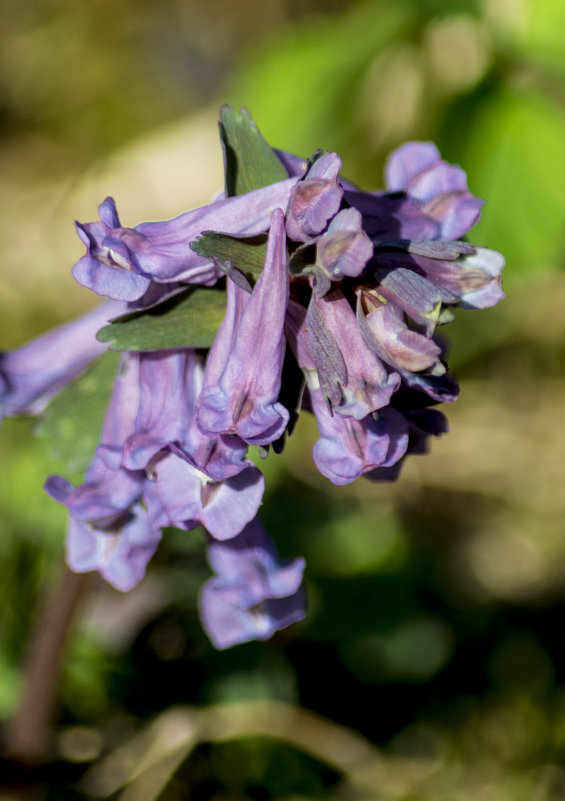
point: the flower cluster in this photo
(352, 288)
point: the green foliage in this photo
(249, 161)
(307, 90)
(187, 320)
(247, 254)
(72, 422)
(516, 156)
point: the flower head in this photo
(335, 312)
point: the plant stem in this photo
(27, 737)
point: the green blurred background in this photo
(433, 654)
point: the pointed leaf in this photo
(187, 320)
(246, 254)
(248, 160)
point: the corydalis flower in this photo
(243, 374)
(253, 593)
(122, 262)
(31, 375)
(337, 315)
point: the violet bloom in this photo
(348, 447)
(428, 198)
(345, 248)
(315, 199)
(470, 274)
(243, 372)
(189, 497)
(109, 529)
(122, 262)
(351, 375)
(386, 333)
(166, 444)
(355, 283)
(32, 374)
(417, 169)
(253, 593)
(168, 385)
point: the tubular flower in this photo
(253, 594)
(333, 299)
(31, 375)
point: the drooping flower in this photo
(122, 262)
(315, 199)
(253, 593)
(243, 373)
(337, 316)
(33, 373)
(109, 527)
(418, 169)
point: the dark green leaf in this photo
(245, 253)
(249, 162)
(72, 422)
(187, 320)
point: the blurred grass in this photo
(437, 603)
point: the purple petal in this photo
(393, 217)
(388, 335)
(104, 495)
(243, 373)
(189, 497)
(121, 413)
(110, 280)
(417, 168)
(348, 447)
(367, 385)
(121, 262)
(120, 555)
(315, 199)
(33, 373)
(294, 165)
(345, 248)
(167, 398)
(414, 294)
(408, 161)
(253, 594)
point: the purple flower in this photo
(189, 497)
(351, 375)
(386, 333)
(341, 322)
(168, 387)
(345, 248)
(109, 528)
(417, 169)
(348, 447)
(243, 373)
(427, 199)
(470, 274)
(253, 593)
(315, 199)
(119, 550)
(121, 262)
(33, 373)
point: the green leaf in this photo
(187, 320)
(245, 253)
(248, 160)
(72, 423)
